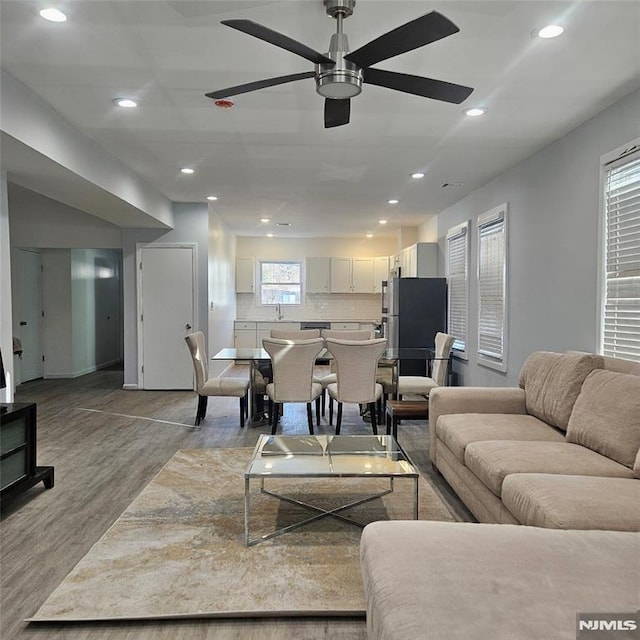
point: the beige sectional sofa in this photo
(560, 451)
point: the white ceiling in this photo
(270, 155)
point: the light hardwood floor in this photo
(106, 445)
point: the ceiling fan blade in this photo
(259, 84)
(412, 35)
(336, 112)
(417, 85)
(278, 39)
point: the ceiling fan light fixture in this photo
(339, 84)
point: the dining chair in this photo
(293, 334)
(422, 385)
(292, 363)
(341, 334)
(356, 367)
(218, 386)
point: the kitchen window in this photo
(492, 288)
(620, 308)
(458, 286)
(280, 282)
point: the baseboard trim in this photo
(130, 387)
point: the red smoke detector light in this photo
(224, 104)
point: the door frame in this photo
(140, 247)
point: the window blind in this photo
(492, 287)
(458, 285)
(621, 308)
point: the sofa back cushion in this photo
(552, 382)
(606, 416)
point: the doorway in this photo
(166, 313)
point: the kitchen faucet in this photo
(279, 315)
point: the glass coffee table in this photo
(302, 457)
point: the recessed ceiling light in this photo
(53, 15)
(187, 170)
(550, 31)
(265, 219)
(126, 103)
(417, 175)
(382, 221)
(212, 198)
(393, 201)
(474, 112)
(283, 224)
(269, 235)
(369, 235)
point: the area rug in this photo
(178, 550)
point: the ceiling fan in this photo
(339, 74)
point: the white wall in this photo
(37, 221)
(222, 297)
(191, 226)
(553, 226)
(6, 337)
(293, 248)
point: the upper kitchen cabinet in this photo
(352, 275)
(318, 277)
(419, 260)
(245, 275)
(380, 272)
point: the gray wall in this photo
(191, 222)
(553, 230)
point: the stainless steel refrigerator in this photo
(414, 310)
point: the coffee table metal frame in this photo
(367, 460)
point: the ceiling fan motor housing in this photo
(342, 79)
(334, 7)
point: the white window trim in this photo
(618, 154)
(490, 217)
(260, 261)
(453, 233)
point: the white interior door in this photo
(167, 313)
(27, 313)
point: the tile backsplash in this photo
(317, 306)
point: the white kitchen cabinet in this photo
(244, 334)
(351, 275)
(345, 326)
(318, 276)
(245, 275)
(419, 260)
(380, 272)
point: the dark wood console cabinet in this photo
(18, 470)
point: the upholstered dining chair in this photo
(422, 385)
(292, 363)
(293, 334)
(356, 368)
(219, 386)
(341, 334)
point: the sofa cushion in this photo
(492, 461)
(573, 502)
(552, 382)
(606, 416)
(455, 581)
(457, 430)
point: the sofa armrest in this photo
(443, 400)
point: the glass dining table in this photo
(257, 356)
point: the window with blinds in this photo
(458, 286)
(492, 288)
(620, 326)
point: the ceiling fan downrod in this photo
(343, 79)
